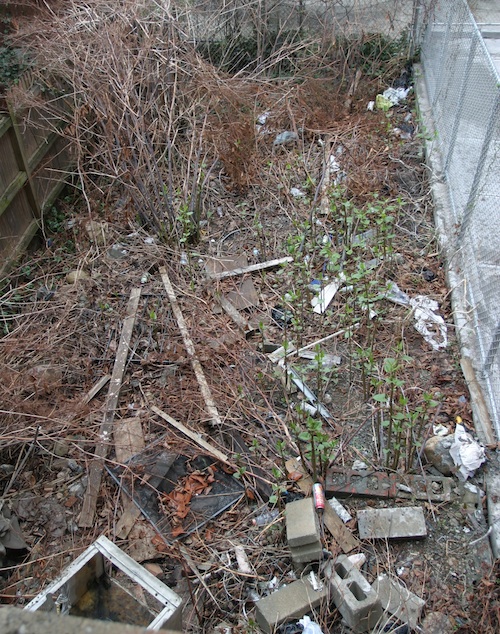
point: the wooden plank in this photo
(5, 124)
(11, 191)
(235, 315)
(341, 534)
(94, 391)
(250, 269)
(192, 435)
(23, 164)
(19, 248)
(198, 370)
(129, 440)
(106, 429)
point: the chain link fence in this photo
(463, 87)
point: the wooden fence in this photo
(34, 165)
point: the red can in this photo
(319, 497)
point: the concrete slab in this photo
(302, 525)
(290, 602)
(399, 601)
(14, 621)
(396, 523)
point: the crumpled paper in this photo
(467, 453)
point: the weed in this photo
(315, 445)
(400, 425)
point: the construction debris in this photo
(395, 523)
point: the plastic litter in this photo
(357, 560)
(382, 103)
(321, 302)
(310, 627)
(265, 518)
(341, 511)
(428, 323)
(262, 118)
(285, 138)
(440, 430)
(296, 192)
(467, 453)
(359, 465)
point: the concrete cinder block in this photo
(302, 526)
(354, 597)
(397, 523)
(309, 552)
(290, 602)
(399, 601)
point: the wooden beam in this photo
(250, 269)
(201, 442)
(198, 370)
(106, 429)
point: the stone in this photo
(437, 623)
(399, 601)
(77, 276)
(289, 602)
(396, 523)
(302, 525)
(437, 452)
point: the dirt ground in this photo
(61, 337)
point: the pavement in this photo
(487, 15)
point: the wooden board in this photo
(129, 440)
(106, 430)
(188, 343)
(201, 442)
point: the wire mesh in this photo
(464, 90)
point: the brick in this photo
(377, 484)
(345, 482)
(399, 601)
(309, 552)
(302, 526)
(290, 602)
(397, 523)
(433, 488)
(354, 597)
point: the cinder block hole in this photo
(341, 571)
(359, 595)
